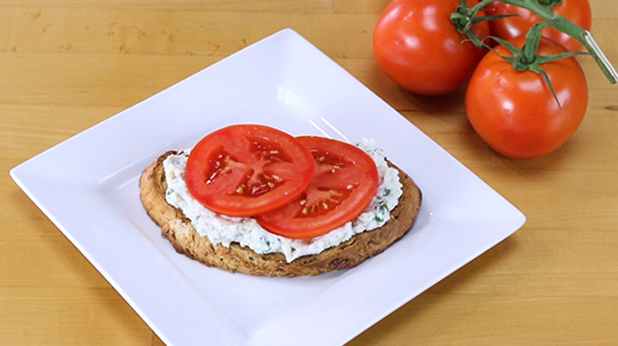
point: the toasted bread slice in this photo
(185, 239)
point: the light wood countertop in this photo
(67, 65)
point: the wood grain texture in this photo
(66, 65)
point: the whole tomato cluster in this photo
(518, 113)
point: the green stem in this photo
(531, 47)
(564, 25)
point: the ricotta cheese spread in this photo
(224, 230)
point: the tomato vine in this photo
(466, 16)
(537, 126)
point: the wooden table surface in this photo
(66, 65)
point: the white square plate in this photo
(88, 186)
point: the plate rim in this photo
(19, 173)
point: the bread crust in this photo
(178, 230)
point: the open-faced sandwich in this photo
(256, 200)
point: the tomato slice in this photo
(343, 185)
(244, 170)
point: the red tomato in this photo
(515, 112)
(577, 11)
(343, 185)
(419, 48)
(243, 170)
